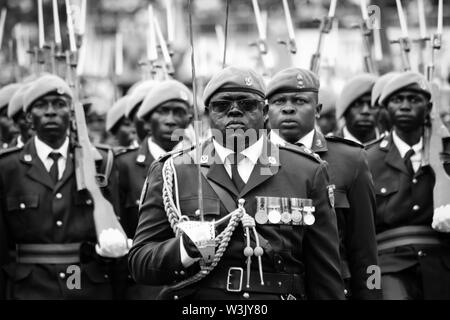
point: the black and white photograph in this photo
(202, 151)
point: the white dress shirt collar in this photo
(43, 149)
(347, 135)
(403, 147)
(252, 153)
(306, 140)
(155, 150)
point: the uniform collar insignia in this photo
(384, 143)
(319, 143)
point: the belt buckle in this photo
(230, 273)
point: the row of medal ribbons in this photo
(279, 210)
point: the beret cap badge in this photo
(248, 81)
(300, 81)
(422, 84)
(183, 95)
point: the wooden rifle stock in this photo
(436, 136)
(85, 156)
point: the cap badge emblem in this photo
(422, 84)
(248, 81)
(183, 96)
(60, 90)
(300, 81)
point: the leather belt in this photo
(43, 253)
(408, 235)
(234, 279)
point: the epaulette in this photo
(10, 150)
(343, 140)
(303, 151)
(102, 146)
(123, 150)
(375, 142)
(175, 153)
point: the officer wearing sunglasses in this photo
(298, 261)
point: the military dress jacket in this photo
(309, 251)
(405, 200)
(355, 207)
(33, 210)
(133, 165)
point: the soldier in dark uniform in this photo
(8, 130)
(353, 105)
(293, 108)
(121, 128)
(166, 108)
(47, 225)
(16, 113)
(294, 251)
(136, 95)
(327, 121)
(414, 258)
(383, 117)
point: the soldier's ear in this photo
(318, 110)
(29, 120)
(266, 112)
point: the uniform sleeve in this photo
(155, 257)
(360, 234)
(321, 245)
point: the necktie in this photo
(54, 173)
(408, 162)
(235, 176)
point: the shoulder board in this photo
(123, 150)
(375, 142)
(9, 150)
(302, 151)
(175, 153)
(101, 146)
(342, 140)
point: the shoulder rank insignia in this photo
(140, 158)
(331, 194)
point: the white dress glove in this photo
(441, 219)
(112, 244)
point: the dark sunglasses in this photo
(244, 105)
